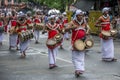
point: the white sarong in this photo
(107, 48)
(13, 40)
(36, 34)
(52, 54)
(24, 46)
(1, 37)
(78, 60)
(66, 35)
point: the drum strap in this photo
(75, 37)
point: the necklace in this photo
(52, 27)
(105, 17)
(79, 22)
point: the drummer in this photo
(65, 22)
(1, 25)
(79, 30)
(53, 29)
(29, 21)
(59, 20)
(22, 27)
(37, 20)
(106, 42)
(13, 36)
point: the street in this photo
(35, 65)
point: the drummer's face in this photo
(79, 16)
(106, 12)
(52, 19)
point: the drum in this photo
(88, 43)
(22, 36)
(1, 29)
(113, 32)
(106, 33)
(39, 26)
(30, 26)
(27, 35)
(30, 34)
(51, 43)
(79, 45)
(58, 37)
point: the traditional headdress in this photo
(105, 9)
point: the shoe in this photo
(67, 39)
(78, 73)
(36, 42)
(17, 48)
(55, 66)
(61, 47)
(10, 48)
(114, 60)
(22, 56)
(52, 66)
(109, 59)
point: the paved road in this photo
(35, 66)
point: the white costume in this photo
(37, 31)
(78, 33)
(107, 47)
(52, 53)
(13, 38)
(1, 37)
(78, 60)
(1, 33)
(24, 45)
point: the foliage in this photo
(58, 4)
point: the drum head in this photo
(58, 37)
(51, 42)
(79, 45)
(89, 43)
(106, 33)
(113, 32)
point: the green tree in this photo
(58, 4)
